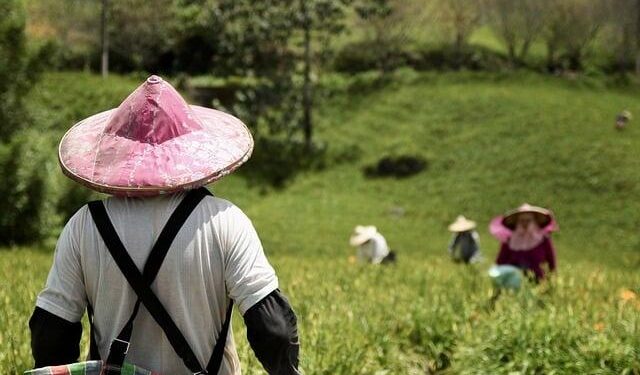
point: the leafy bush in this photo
(448, 57)
(37, 198)
(276, 161)
(367, 55)
(29, 169)
(19, 67)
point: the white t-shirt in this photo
(374, 250)
(216, 255)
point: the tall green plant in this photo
(30, 177)
(23, 170)
(18, 68)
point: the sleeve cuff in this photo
(256, 297)
(57, 310)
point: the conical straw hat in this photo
(542, 215)
(362, 234)
(462, 224)
(154, 143)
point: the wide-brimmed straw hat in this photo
(541, 215)
(154, 143)
(462, 224)
(362, 234)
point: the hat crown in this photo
(154, 113)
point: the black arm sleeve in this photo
(54, 341)
(272, 332)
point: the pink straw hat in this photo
(154, 143)
(541, 215)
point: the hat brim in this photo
(359, 239)
(118, 165)
(543, 217)
(462, 226)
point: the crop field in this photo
(491, 142)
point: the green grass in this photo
(492, 141)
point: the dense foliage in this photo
(207, 36)
(38, 199)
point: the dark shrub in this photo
(450, 58)
(276, 161)
(398, 167)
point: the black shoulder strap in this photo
(141, 284)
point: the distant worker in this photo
(622, 119)
(465, 243)
(372, 246)
(525, 236)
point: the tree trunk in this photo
(551, 57)
(511, 51)
(624, 48)
(104, 67)
(307, 99)
(524, 49)
(637, 31)
(459, 41)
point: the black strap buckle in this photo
(117, 352)
(120, 345)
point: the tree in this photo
(70, 25)
(142, 40)
(388, 26)
(104, 38)
(570, 27)
(517, 22)
(460, 18)
(275, 46)
(624, 21)
(323, 18)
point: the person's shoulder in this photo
(79, 217)
(221, 207)
(76, 226)
(218, 203)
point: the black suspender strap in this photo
(141, 283)
(218, 351)
(93, 346)
(161, 248)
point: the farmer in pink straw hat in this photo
(160, 264)
(525, 236)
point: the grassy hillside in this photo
(492, 142)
